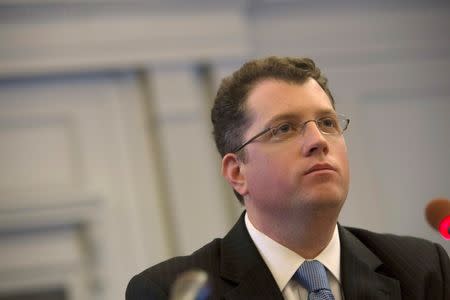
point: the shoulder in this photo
(406, 245)
(422, 268)
(404, 252)
(155, 282)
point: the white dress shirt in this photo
(283, 263)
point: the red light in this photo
(444, 228)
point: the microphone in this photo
(437, 214)
(191, 285)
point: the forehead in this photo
(272, 97)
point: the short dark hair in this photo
(229, 116)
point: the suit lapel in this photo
(359, 266)
(242, 265)
(255, 284)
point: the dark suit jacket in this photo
(373, 266)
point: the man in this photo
(285, 156)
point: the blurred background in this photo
(107, 164)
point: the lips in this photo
(320, 167)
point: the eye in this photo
(283, 130)
(329, 124)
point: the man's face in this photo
(279, 175)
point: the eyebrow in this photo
(294, 116)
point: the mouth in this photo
(322, 167)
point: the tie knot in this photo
(312, 276)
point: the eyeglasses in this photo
(328, 125)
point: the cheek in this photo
(269, 175)
(342, 158)
(260, 168)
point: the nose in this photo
(313, 141)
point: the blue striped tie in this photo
(313, 277)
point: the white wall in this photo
(105, 147)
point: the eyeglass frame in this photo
(301, 126)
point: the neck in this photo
(306, 233)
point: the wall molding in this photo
(66, 38)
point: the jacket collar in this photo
(359, 276)
(242, 264)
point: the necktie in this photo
(313, 277)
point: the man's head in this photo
(229, 114)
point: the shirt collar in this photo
(283, 262)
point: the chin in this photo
(328, 198)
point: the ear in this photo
(233, 170)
